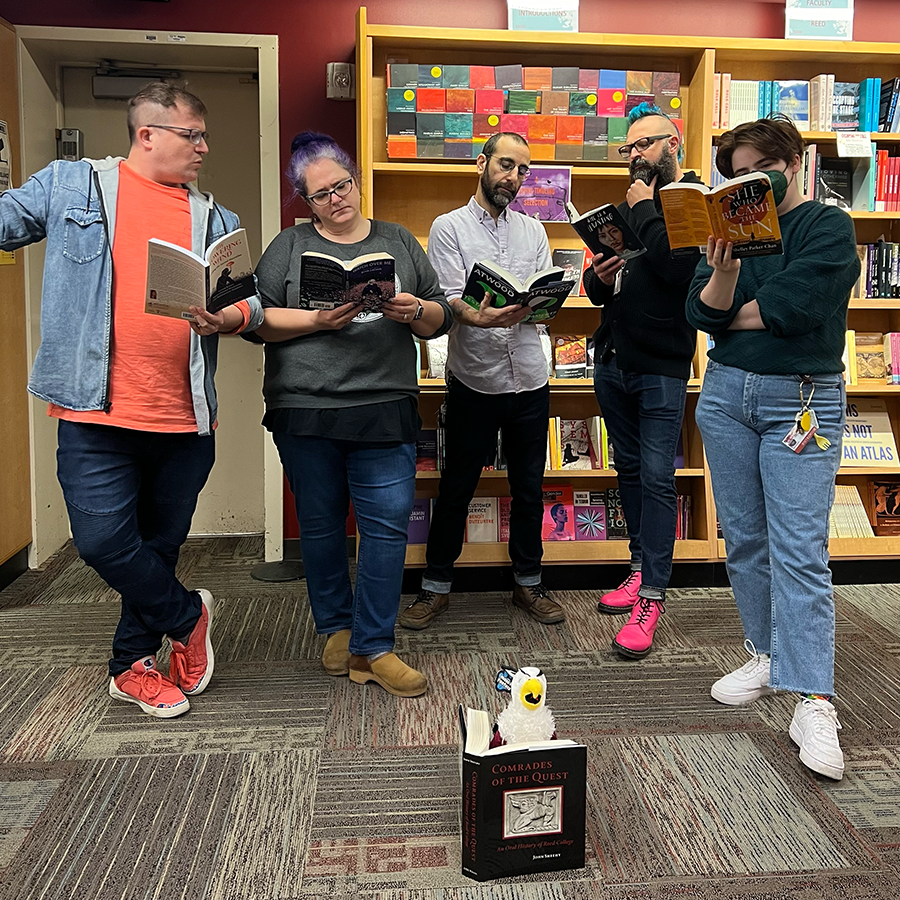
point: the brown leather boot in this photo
(336, 655)
(426, 608)
(394, 675)
(535, 599)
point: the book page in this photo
(687, 219)
(176, 280)
(322, 282)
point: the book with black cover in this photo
(605, 231)
(327, 282)
(544, 292)
(834, 186)
(523, 806)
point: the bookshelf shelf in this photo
(881, 137)
(414, 192)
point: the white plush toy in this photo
(527, 718)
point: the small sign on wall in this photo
(818, 20)
(542, 15)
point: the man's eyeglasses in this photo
(507, 165)
(642, 144)
(194, 135)
(323, 198)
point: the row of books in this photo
(848, 517)
(462, 135)
(569, 515)
(607, 86)
(872, 356)
(879, 276)
(820, 104)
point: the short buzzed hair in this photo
(643, 110)
(490, 145)
(159, 93)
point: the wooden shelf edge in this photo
(877, 136)
(391, 167)
(433, 475)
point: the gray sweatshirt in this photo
(369, 361)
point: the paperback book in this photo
(544, 292)
(327, 282)
(740, 210)
(605, 231)
(544, 194)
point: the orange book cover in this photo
(460, 100)
(431, 100)
(537, 78)
(541, 130)
(639, 82)
(484, 125)
(570, 129)
(481, 78)
(401, 146)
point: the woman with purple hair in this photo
(341, 392)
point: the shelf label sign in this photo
(868, 436)
(854, 143)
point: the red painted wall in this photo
(314, 32)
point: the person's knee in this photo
(100, 548)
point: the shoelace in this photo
(756, 659)
(426, 598)
(824, 720)
(538, 591)
(644, 608)
(629, 580)
(178, 666)
(155, 676)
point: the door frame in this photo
(41, 54)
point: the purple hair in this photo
(309, 147)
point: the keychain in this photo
(806, 426)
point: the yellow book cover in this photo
(551, 437)
(849, 358)
(741, 210)
(870, 356)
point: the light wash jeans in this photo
(380, 478)
(773, 507)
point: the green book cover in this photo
(401, 100)
(458, 125)
(523, 102)
(582, 103)
(430, 76)
(455, 77)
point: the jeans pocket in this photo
(84, 235)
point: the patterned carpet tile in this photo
(548, 890)
(211, 826)
(878, 603)
(34, 636)
(31, 585)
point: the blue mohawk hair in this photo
(651, 109)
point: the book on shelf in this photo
(793, 101)
(892, 357)
(178, 279)
(544, 292)
(327, 282)
(848, 358)
(436, 352)
(481, 521)
(885, 497)
(544, 194)
(510, 77)
(569, 355)
(845, 106)
(523, 805)
(554, 103)
(590, 515)
(868, 436)
(605, 231)
(430, 75)
(565, 78)
(559, 513)
(419, 521)
(571, 261)
(740, 210)
(616, 528)
(426, 450)
(847, 517)
(870, 356)
(575, 444)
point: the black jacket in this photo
(645, 322)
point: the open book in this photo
(605, 231)
(740, 210)
(178, 279)
(327, 282)
(544, 292)
(476, 732)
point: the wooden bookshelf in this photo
(415, 192)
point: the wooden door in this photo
(15, 471)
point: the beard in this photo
(498, 197)
(665, 169)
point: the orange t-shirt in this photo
(149, 372)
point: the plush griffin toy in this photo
(527, 717)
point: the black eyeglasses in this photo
(642, 144)
(194, 135)
(507, 165)
(323, 198)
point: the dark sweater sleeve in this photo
(817, 280)
(428, 287)
(597, 292)
(703, 317)
(650, 227)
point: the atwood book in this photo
(523, 805)
(740, 210)
(544, 292)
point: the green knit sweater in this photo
(802, 295)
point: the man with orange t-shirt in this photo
(133, 393)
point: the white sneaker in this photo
(748, 683)
(814, 730)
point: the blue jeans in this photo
(773, 506)
(131, 496)
(643, 415)
(325, 475)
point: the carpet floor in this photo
(283, 783)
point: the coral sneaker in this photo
(146, 686)
(191, 664)
(814, 729)
(636, 639)
(746, 684)
(623, 598)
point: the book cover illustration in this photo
(419, 521)
(544, 194)
(605, 231)
(885, 497)
(559, 514)
(575, 444)
(570, 355)
(590, 515)
(571, 261)
(616, 527)
(327, 282)
(544, 292)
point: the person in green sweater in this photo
(778, 324)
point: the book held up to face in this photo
(740, 210)
(605, 231)
(544, 292)
(178, 279)
(327, 282)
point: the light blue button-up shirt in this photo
(490, 360)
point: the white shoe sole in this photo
(209, 602)
(169, 712)
(739, 699)
(836, 773)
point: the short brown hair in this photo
(777, 137)
(159, 93)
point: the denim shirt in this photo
(73, 205)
